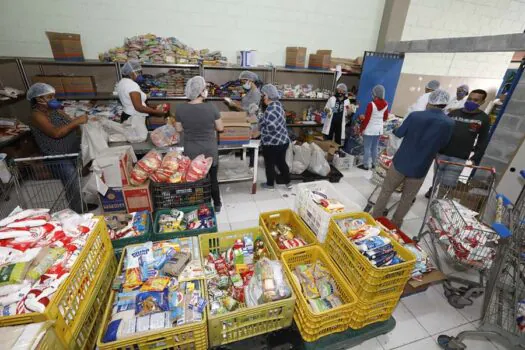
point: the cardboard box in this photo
(295, 57)
(66, 46)
(113, 200)
(325, 53)
(79, 85)
(237, 129)
(138, 198)
(116, 164)
(319, 61)
(329, 147)
(54, 81)
(414, 287)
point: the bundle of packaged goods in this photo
(464, 237)
(243, 275)
(37, 252)
(348, 65)
(377, 249)
(174, 220)
(168, 84)
(149, 48)
(122, 226)
(232, 88)
(329, 205)
(173, 168)
(302, 91)
(150, 296)
(109, 110)
(285, 237)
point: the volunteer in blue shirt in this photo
(424, 133)
(274, 137)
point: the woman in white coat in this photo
(372, 126)
(338, 107)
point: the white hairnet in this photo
(378, 91)
(342, 87)
(438, 97)
(270, 91)
(194, 87)
(464, 87)
(39, 89)
(248, 76)
(433, 85)
(131, 66)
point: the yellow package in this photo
(155, 284)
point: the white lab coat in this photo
(455, 104)
(330, 104)
(420, 104)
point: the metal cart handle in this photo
(492, 170)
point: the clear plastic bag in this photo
(318, 163)
(165, 136)
(301, 158)
(199, 168)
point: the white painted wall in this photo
(348, 27)
(429, 19)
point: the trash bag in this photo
(318, 163)
(301, 158)
(289, 156)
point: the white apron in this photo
(375, 124)
(330, 104)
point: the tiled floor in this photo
(420, 318)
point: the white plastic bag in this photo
(301, 158)
(94, 140)
(289, 156)
(138, 131)
(318, 163)
(164, 136)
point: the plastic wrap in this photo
(301, 158)
(165, 136)
(199, 168)
(318, 163)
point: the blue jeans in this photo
(448, 173)
(66, 171)
(370, 144)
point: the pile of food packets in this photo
(150, 296)
(37, 253)
(329, 205)
(122, 226)
(285, 237)
(317, 286)
(302, 91)
(176, 220)
(377, 249)
(170, 84)
(149, 48)
(243, 275)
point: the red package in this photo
(199, 168)
(184, 164)
(138, 176)
(150, 162)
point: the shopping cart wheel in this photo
(367, 208)
(450, 343)
(459, 301)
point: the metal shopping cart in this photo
(456, 221)
(52, 182)
(504, 303)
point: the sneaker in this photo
(265, 186)
(288, 186)
(363, 167)
(218, 208)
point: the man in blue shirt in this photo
(424, 133)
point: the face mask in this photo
(471, 106)
(54, 104)
(247, 86)
(139, 79)
(204, 94)
(460, 95)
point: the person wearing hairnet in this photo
(274, 137)
(200, 121)
(372, 126)
(422, 101)
(458, 101)
(338, 108)
(55, 133)
(253, 95)
(424, 133)
(132, 98)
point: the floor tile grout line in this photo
(411, 342)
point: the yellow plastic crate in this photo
(370, 283)
(368, 313)
(50, 341)
(290, 218)
(70, 304)
(313, 326)
(244, 322)
(192, 336)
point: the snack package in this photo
(164, 136)
(150, 162)
(371, 243)
(45, 259)
(138, 176)
(184, 164)
(13, 273)
(199, 168)
(155, 284)
(143, 251)
(151, 302)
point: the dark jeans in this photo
(276, 156)
(215, 191)
(335, 130)
(66, 171)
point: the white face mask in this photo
(205, 94)
(247, 86)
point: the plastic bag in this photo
(318, 163)
(289, 156)
(94, 139)
(301, 158)
(150, 162)
(180, 175)
(199, 168)
(138, 131)
(164, 136)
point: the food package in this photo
(165, 136)
(145, 167)
(198, 168)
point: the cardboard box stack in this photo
(66, 46)
(295, 57)
(237, 129)
(320, 60)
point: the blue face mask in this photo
(54, 104)
(471, 106)
(139, 79)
